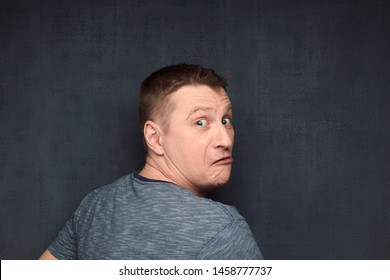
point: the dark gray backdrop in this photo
(309, 81)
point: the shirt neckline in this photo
(144, 179)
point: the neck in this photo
(153, 170)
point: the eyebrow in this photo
(205, 109)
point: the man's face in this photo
(199, 138)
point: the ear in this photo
(153, 139)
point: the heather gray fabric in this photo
(138, 218)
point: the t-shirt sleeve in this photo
(234, 242)
(64, 247)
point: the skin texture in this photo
(47, 256)
(195, 150)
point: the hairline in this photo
(169, 105)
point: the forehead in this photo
(200, 96)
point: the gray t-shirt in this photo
(139, 218)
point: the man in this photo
(161, 212)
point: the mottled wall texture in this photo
(310, 86)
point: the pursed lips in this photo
(224, 160)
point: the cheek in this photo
(197, 151)
(189, 147)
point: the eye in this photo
(201, 123)
(226, 121)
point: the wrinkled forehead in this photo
(194, 96)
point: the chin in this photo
(221, 180)
(221, 177)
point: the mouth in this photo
(223, 161)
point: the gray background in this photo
(309, 81)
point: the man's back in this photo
(139, 218)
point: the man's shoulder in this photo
(229, 211)
(122, 182)
(164, 195)
(99, 194)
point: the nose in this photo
(224, 137)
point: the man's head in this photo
(154, 102)
(186, 116)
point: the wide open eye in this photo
(201, 123)
(226, 121)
